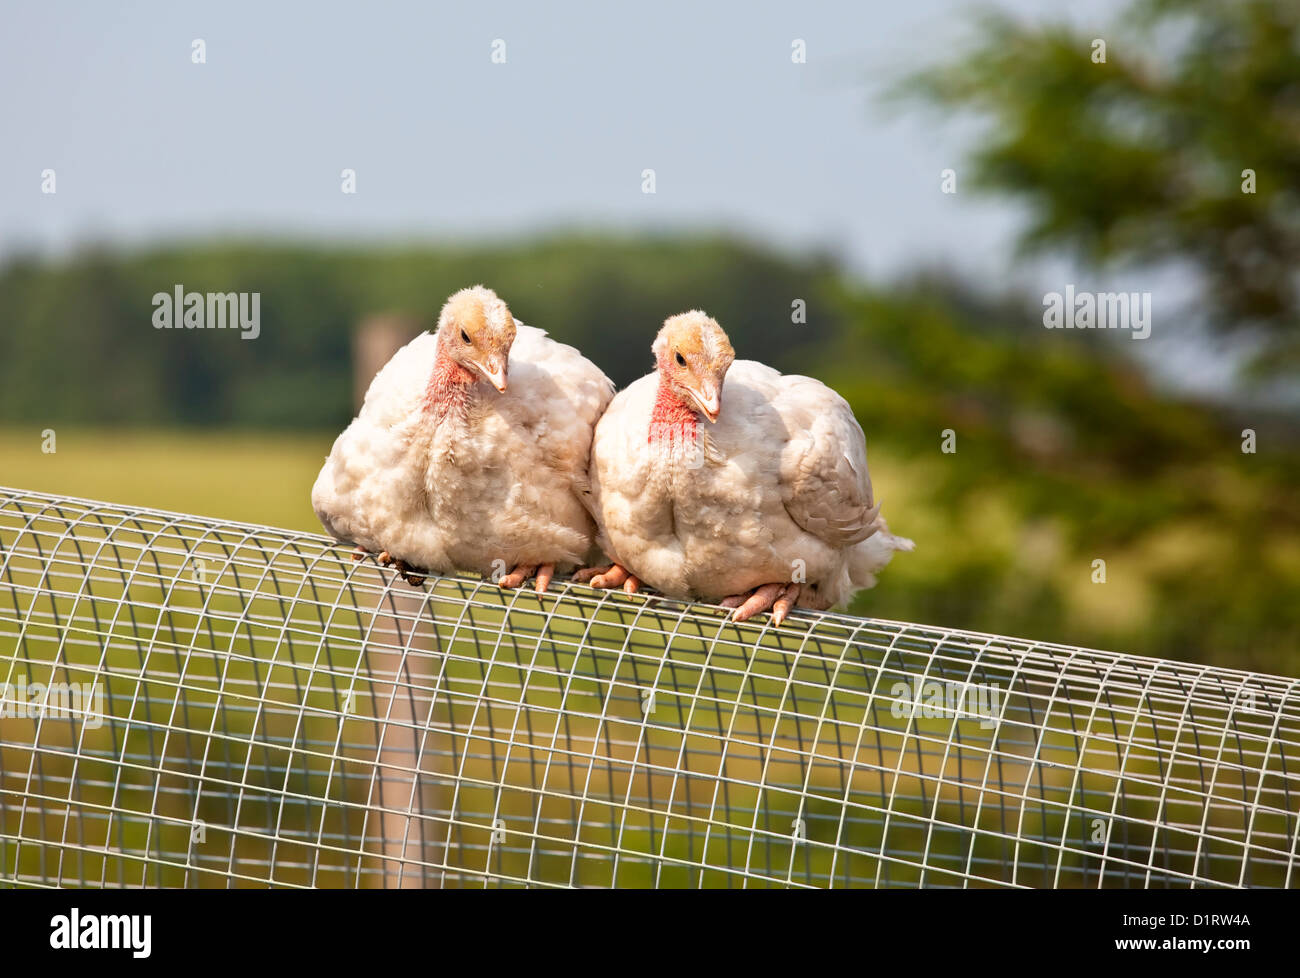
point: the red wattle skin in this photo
(671, 416)
(448, 386)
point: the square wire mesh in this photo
(260, 710)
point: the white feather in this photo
(780, 494)
(493, 487)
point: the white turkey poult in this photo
(470, 451)
(767, 506)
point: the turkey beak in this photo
(710, 400)
(495, 374)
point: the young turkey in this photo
(767, 505)
(470, 451)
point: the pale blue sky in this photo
(148, 146)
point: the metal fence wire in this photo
(190, 702)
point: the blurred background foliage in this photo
(1139, 151)
(1067, 453)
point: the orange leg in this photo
(517, 576)
(615, 575)
(780, 598)
(523, 572)
(544, 575)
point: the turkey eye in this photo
(681, 360)
(464, 336)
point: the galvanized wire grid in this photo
(273, 713)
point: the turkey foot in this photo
(779, 597)
(612, 576)
(407, 573)
(523, 572)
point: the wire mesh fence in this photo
(189, 702)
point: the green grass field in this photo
(248, 476)
(984, 559)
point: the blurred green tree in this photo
(1176, 141)
(77, 342)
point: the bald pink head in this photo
(693, 354)
(475, 332)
